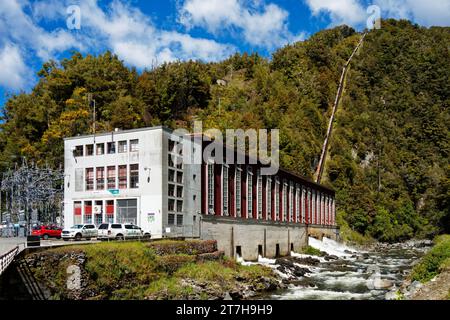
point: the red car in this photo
(46, 232)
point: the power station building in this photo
(141, 176)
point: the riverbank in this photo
(159, 270)
(430, 278)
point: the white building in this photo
(128, 176)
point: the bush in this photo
(191, 247)
(173, 262)
(433, 262)
(313, 251)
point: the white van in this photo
(79, 231)
(119, 231)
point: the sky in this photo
(147, 33)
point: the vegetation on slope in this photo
(388, 158)
(434, 262)
(136, 270)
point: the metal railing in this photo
(7, 258)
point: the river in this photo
(374, 274)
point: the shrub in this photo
(313, 251)
(191, 247)
(171, 263)
(433, 262)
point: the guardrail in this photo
(7, 258)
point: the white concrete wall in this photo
(249, 234)
(148, 156)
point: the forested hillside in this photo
(388, 158)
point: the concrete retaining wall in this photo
(319, 232)
(252, 238)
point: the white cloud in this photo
(426, 13)
(350, 12)
(263, 25)
(353, 12)
(119, 26)
(135, 39)
(18, 27)
(13, 69)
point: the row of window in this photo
(105, 211)
(111, 147)
(298, 203)
(175, 183)
(111, 177)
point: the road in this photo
(7, 244)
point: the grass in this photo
(435, 261)
(313, 251)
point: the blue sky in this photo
(145, 33)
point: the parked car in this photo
(80, 231)
(46, 232)
(121, 231)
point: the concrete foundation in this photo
(250, 238)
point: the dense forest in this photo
(388, 157)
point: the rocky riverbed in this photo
(344, 273)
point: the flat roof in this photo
(102, 134)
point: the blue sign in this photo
(114, 191)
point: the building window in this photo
(79, 179)
(225, 190)
(291, 201)
(170, 162)
(171, 145)
(179, 177)
(88, 212)
(100, 149)
(285, 193)
(259, 190)
(122, 146)
(249, 193)
(277, 199)
(89, 149)
(89, 179)
(171, 175)
(78, 152)
(171, 205)
(269, 198)
(302, 200)
(171, 190)
(179, 191)
(100, 175)
(179, 219)
(77, 212)
(98, 211)
(111, 177)
(211, 188)
(134, 145)
(179, 162)
(134, 176)
(110, 211)
(127, 211)
(297, 203)
(123, 177)
(111, 147)
(238, 191)
(179, 205)
(171, 219)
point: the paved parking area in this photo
(7, 244)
